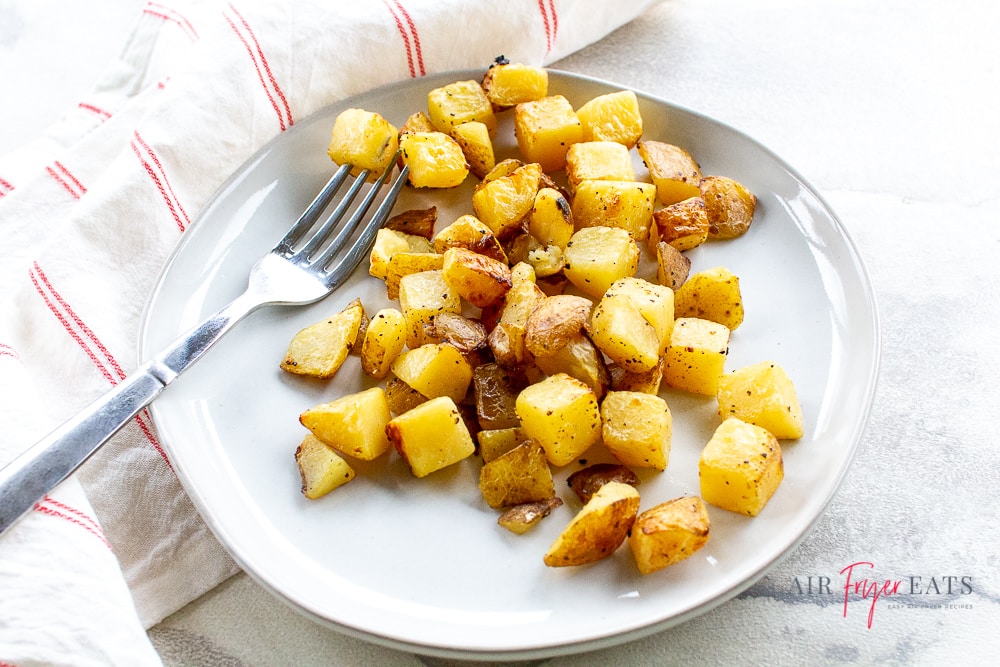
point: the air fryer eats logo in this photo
(861, 590)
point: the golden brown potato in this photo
(320, 349)
(762, 394)
(545, 129)
(470, 232)
(466, 335)
(740, 468)
(551, 218)
(460, 102)
(494, 443)
(434, 369)
(554, 321)
(507, 84)
(321, 469)
(684, 225)
(521, 475)
(598, 256)
(385, 338)
(363, 139)
(495, 389)
(435, 160)
(637, 428)
(729, 206)
(672, 169)
(404, 263)
(505, 202)
(712, 294)
(480, 280)
(581, 359)
(672, 266)
(669, 533)
(431, 436)
(623, 204)
(522, 518)
(474, 139)
(418, 222)
(353, 424)
(598, 160)
(562, 414)
(612, 117)
(586, 481)
(423, 295)
(598, 529)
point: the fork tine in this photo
(347, 229)
(312, 212)
(323, 233)
(362, 246)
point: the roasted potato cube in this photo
(495, 390)
(729, 206)
(551, 218)
(554, 322)
(624, 204)
(598, 529)
(422, 296)
(598, 161)
(696, 356)
(404, 263)
(431, 436)
(435, 160)
(619, 330)
(504, 203)
(672, 266)
(521, 475)
(503, 168)
(740, 468)
(322, 470)
(655, 302)
(470, 232)
(598, 256)
(389, 242)
(522, 518)
(417, 122)
(684, 225)
(363, 139)
(466, 335)
(480, 280)
(474, 139)
(415, 222)
(384, 340)
(762, 394)
(401, 396)
(507, 337)
(460, 102)
(673, 171)
(637, 428)
(320, 349)
(612, 117)
(353, 424)
(712, 294)
(668, 533)
(562, 414)
(435, 369)
(494, 443)
(623, 380)
(581, 359)
(547, 261)
(507, 84)
(585, 482)
(545, 129)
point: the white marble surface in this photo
(890, 109)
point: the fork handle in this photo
(40, 468)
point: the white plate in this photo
(421, 565)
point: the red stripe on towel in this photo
(64, 178)
(97, 111)
(170, 14)
(407, 30)
(88, 341)
(5, 189)
(151, 163)
(264, 73)
(8, 351)
(45, 509)
(550, 21)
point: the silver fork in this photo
(302, 268)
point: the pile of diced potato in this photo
(568, 347)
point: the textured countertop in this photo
(889, 108)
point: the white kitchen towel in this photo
(90, 211)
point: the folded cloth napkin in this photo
(90, 211)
